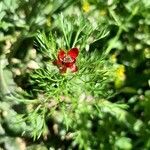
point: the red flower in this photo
(67, 60)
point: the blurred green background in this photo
(128, 44)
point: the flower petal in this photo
(57, 63)
(73, 53)
(73, 68)
(69, 64)
(61, 55)
(63, 69)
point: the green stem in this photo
(113, 41)
(77, 35)
(62, 24)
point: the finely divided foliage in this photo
(74, 74)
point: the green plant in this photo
(83, 83)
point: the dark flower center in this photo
(67, 59)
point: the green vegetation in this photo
(74, 75)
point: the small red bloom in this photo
(67, 60)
